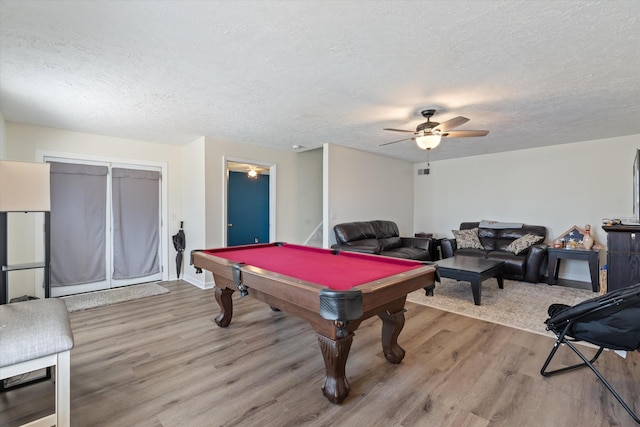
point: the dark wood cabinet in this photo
(623, 256)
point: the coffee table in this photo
(471, 269)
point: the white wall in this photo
(23, 141)
(196, 178)
(192, 209)
(286, 209)
(360, 186)
(286, 183)
(2, 136)
(558, 187)
(309, 193)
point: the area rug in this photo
(519, 305)
(112, 296)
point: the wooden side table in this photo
(558, 254)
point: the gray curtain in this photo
(78, 216)
(136, 223)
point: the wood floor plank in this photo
(162, 361)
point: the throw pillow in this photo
(523, 243)
(467, 239)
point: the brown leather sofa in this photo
(529, 265)
(380, 238)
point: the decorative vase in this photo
(587, 240)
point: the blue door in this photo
(247, 209)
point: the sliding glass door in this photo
(136, 226)
(78, 227)
(105, 226)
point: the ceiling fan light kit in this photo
(429, 134)
(427, 142)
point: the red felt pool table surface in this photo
(335, 270)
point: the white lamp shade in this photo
(24, 187)
(428, 142)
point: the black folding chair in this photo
(610, 321)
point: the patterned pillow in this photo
(467, 239)
(520, 245)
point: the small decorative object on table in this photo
(574, 238)
(587, 240)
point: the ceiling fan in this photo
(428, 134)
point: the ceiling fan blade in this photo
(465, 133)
(450, 124)
(393, 142)
(400, 130)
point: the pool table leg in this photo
(392, 324)
(223, 296)
(335, 354)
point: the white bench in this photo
(35, 335)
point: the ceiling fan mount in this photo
(428, 134)
(428, 124)
(428, 113)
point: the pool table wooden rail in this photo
(384, 297)
(300, 297)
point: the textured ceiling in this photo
(281, 73)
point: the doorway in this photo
(249, 202)
(106, 228)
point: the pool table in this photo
(333, 291)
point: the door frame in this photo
(272, 193)
(121, 162)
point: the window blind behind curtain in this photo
(136, 223)
(78, 217)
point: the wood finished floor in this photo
(162, 361)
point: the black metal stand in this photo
(5, 268)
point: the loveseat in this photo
(380, 238)
(520, 246)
